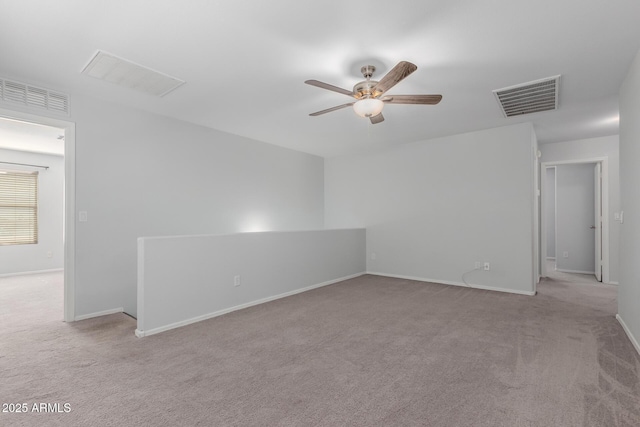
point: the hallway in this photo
(554, 275)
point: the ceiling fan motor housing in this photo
(366, 89)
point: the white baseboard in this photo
(447, 282)
(627, 331)
(99, 313)
(140, 333)
(26, 273)
(613, 283)
(551, 258)
(562, 270)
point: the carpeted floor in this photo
(371, 351)
(568, 277)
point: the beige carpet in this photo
(370, 351)
(561, 276)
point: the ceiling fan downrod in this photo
(367, 71)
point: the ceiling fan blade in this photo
(377, 119)
(393, 77)
(413, 99)
(327, 86)
(328, 110)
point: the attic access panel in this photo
(113, 69)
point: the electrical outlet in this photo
(236, 280)
(478, 265)
(49, 254)
(487, 266)
(565, 254)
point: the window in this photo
(18, 208)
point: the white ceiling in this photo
(244, 62)
(22, 136)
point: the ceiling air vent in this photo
(110, 68)
(32, 96)
(527, 98)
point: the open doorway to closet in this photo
(41, 148)
(574, 232)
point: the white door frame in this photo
(543, 206)
(69, 200)
(604, 161)
(597, 193)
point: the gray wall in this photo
(270, 265)
(550, 211)
(575, 214)
(25, 258)
(607, 146)
(434, 208)
(629, 290)
(140, 174)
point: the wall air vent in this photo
(110, 68)
(31, 96)
(527, 98)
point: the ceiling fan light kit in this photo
(368, 93)
(368, 107)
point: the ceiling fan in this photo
(369, 93)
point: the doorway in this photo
(579, 238)
(68, 129)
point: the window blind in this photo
(18, 208)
